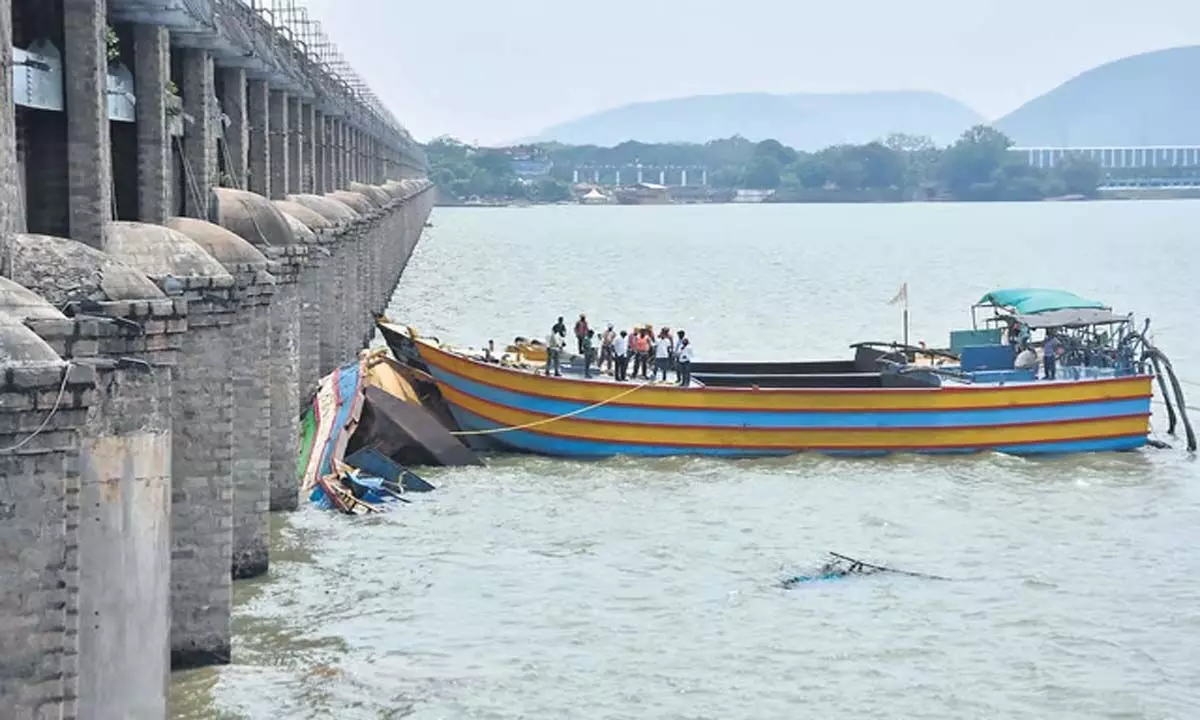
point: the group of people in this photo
(653, 356)
(1025, 357)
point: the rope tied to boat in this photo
(556, 418)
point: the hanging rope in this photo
(62, 389)
(556, 418)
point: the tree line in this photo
(979, 166)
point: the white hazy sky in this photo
(492, 71)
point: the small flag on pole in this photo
(901, 297)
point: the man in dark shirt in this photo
(1050, 355)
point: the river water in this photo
(538, 588)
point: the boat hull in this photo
(604, 418)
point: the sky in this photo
(489, 72)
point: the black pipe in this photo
(1179, 401)
(1162, 388)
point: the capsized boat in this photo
(365, 422)
(888, 398)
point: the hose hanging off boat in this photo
(1160, 363)
(1179, 400)
(556, 418)
(1162, 388)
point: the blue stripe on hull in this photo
(797, 419)
(532, 442)
(347, 383)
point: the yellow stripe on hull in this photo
(966, 397)
(803, 438)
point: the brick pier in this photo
(197, 220)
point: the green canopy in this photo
(1027, 301)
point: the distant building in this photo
(1116, 157)
(1144, 166)
(528, 162)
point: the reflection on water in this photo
(632, 588)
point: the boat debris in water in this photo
(365, 423)
(982, 393)
(840, 566)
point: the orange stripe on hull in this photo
(805, 399)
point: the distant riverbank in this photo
(835, 197)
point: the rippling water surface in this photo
(538, 588)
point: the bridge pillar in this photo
(39, 529)
(199, 136)
(85, 92)
(296, 140)
(320, 152)
(249, 336)
(346, 176)
(202, 478)
(12, 207)
(258, 104)
(125, 496)
(308, 146)
(237, 132)
(332, 151)
(286, 373)
(280, 153)
(152, 61)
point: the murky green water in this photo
(538, 588)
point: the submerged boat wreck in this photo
(365, 424)
(980, 394)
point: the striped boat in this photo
(523, 410)
(981, 394)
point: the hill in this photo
(1147, 99)
(803, 121)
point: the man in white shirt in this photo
(684, 359)
(620, 349)
(662, 356)
(554, 345)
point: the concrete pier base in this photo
(125, 497)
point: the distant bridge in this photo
(1148, 166)
(669, 175)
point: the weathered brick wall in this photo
(125, 497)
(332, 300)
(39, 537)
(202, 490)
(309, 338)
(286, 375)
(251, 335)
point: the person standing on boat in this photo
(683, 360)
(620, 349)
(675, 350)
(581, 330)
(588, 350)
(662, 355)
(554, 348)
(606, 350)
(1050, 355)
(641, 348)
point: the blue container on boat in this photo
(960, 339)
(986, 357)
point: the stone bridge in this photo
(201, 209)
